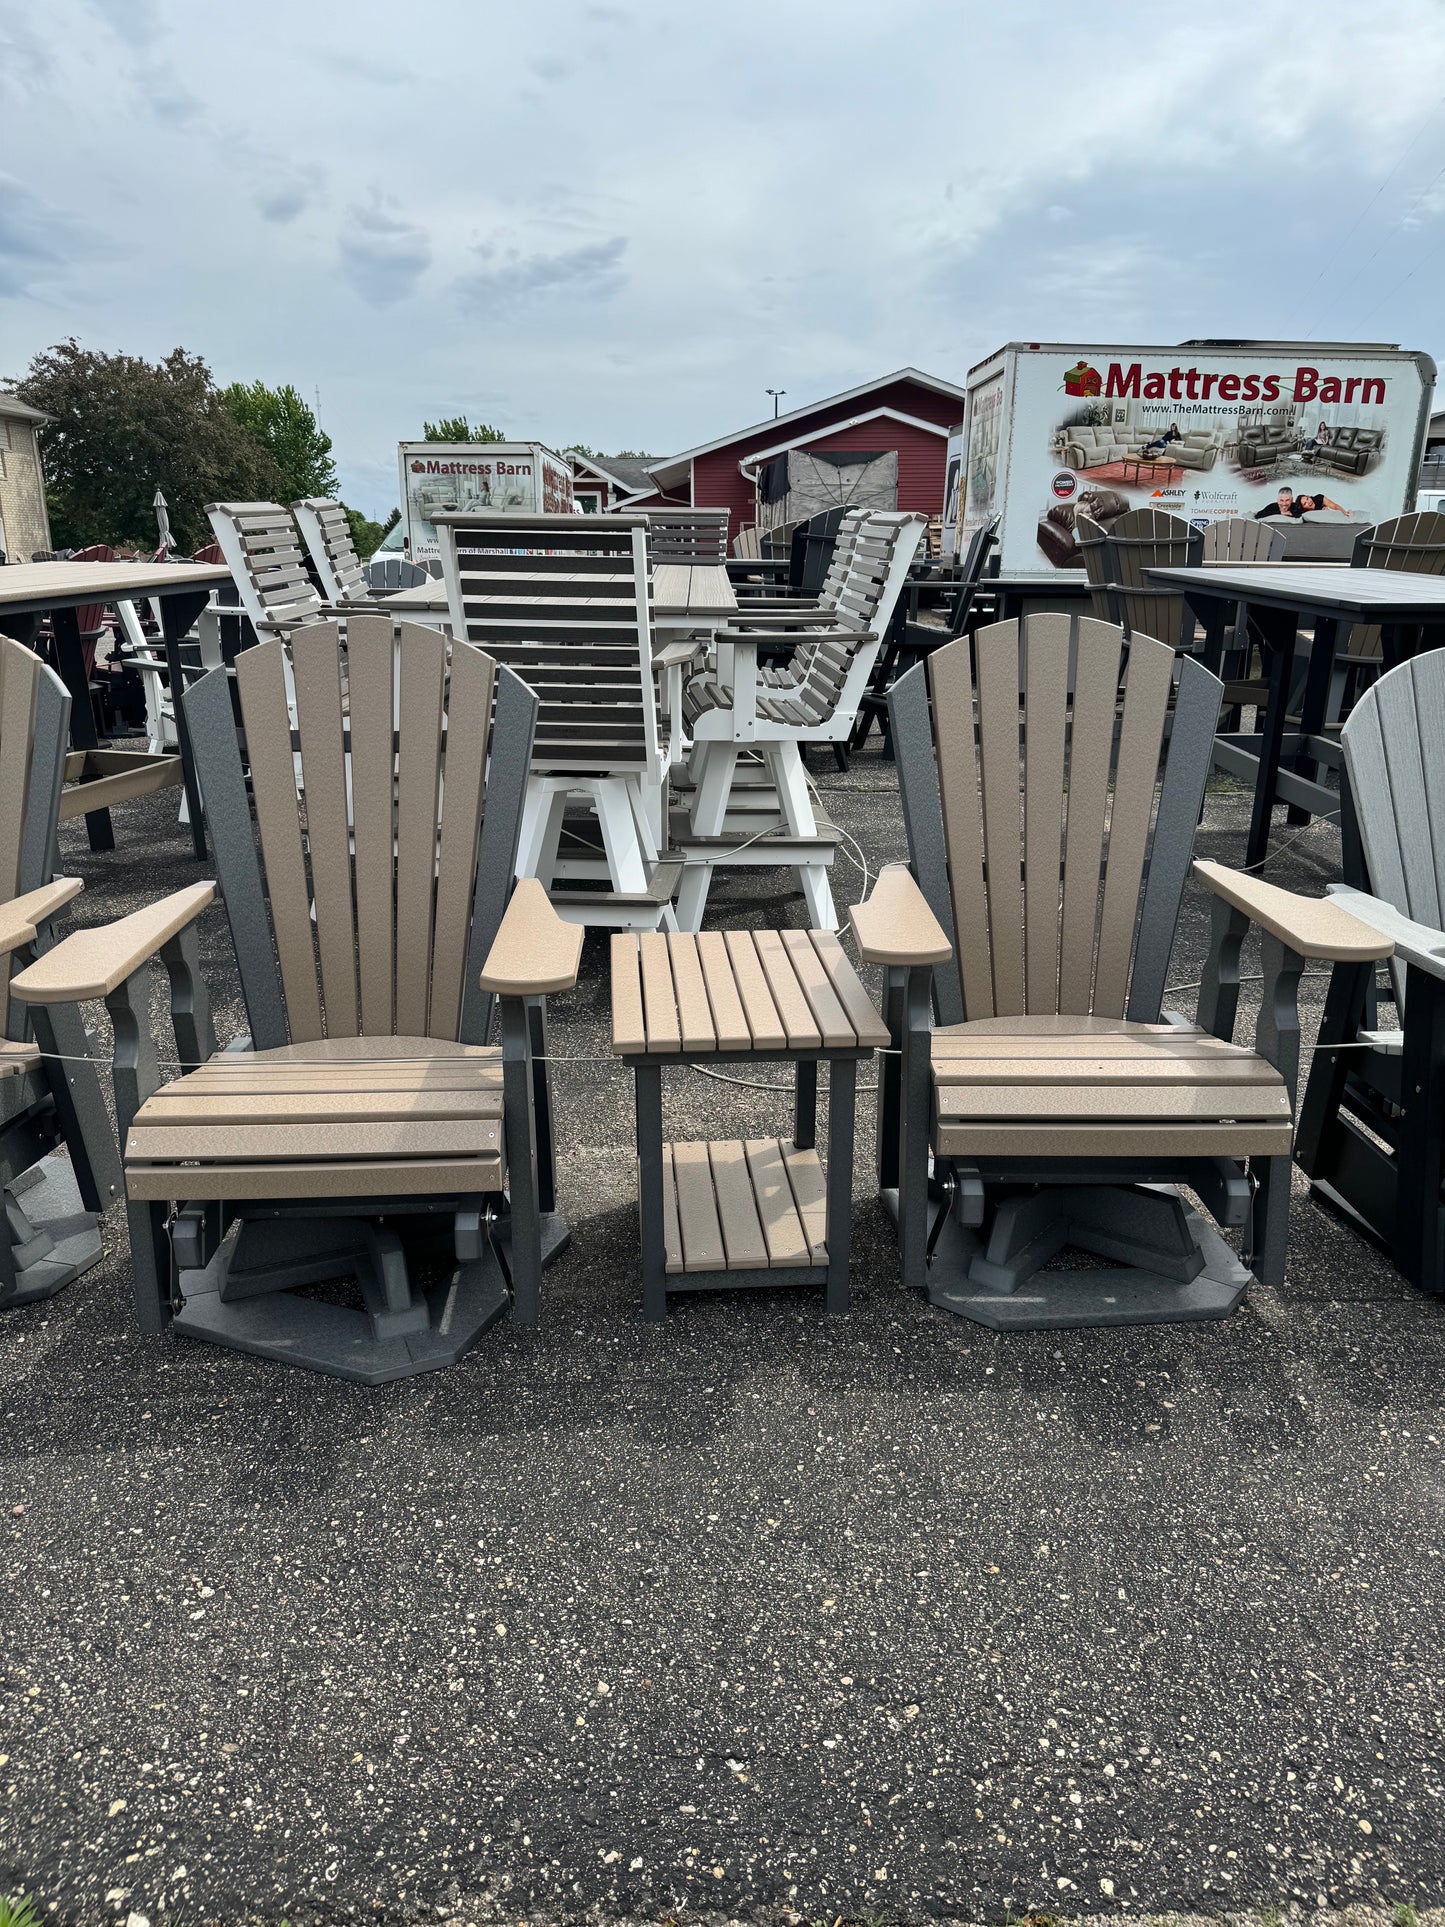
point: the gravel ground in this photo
(752, 1614)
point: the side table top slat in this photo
(659, 998)
(828, 1012)
(737, 1208)
(692, 1004)
(768, 1032)
(729, 1023)
(871, 1031)
(803, 1031)
(629, 1033)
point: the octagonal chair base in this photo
(1172, 1267)
(250, 1298)
(52, 1235)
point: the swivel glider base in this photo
(1170, 1266)
(53, 1238)
(250, 1296)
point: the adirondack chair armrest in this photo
(92, 963)
(534, 951)
(751, 638)
(768, 619)
(1312, 926)
(895, 925)
(1416, 944)
(22, 917)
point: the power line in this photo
(1349, 235)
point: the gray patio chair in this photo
(365, 1128)
(1060, 1102)
(50, 1096)
(327, 534)
(260, 546)
(394, 572)
(688, 535)
(1372, 1125)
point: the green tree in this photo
(123, 427)
(365, 534)
(456, 428)
(283, 424)
(617, 455)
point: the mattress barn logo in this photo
(1193, 384)
(471, 468)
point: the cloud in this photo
(28, 229)
(282, 202)
(137, 20)
(383, 255)
(506, 277)
(551, 69)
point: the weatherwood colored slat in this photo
(419, 742)
(469, 710)
(792, 1004)
(370, 682)
(782, 1227)
(730, 1025)
(698, 1032)
(629, 1029)
(998, 739)
(828, 1012)
(316, 666)
(702, 1239)
(737, 1208)
(664, 1031)
(951, 683)
(19, 670)
(805, 1175)
(1090, 755)
(765, 1025)
(868, 1027)
(261, 680)
(1141, 732)
(331, 1142)
(1046, 686)
(385, 1177)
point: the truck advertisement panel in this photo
(475, 475)
(1264, 431)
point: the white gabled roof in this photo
(668, 462)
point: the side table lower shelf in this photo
(737, 1207)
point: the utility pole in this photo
(775, 393)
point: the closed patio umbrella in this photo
(163, 521)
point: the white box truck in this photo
(476, 475)
(1204, 430)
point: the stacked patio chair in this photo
(1060, 1102)
(1413, 542)
(916, 639)
(683, 536)
(260, 546)
(732, 714)
(50, 1095)
(1372, 1125)
(365, 1128)
(1145, 539)
(327, 534)
(564, 600)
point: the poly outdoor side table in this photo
(743, 1212)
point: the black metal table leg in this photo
(649, 1182)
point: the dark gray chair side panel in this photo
(513, 727)
(923, 820)
(47, 773)
(1181, 796)
(238, 866)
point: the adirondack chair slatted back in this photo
(34, 725)
(261, 548)
(745, 544)
(836, 666)
(1093, 547)
(1414, 543)
(564, 600)
(1035, 851)
(1243, 540)
(1397, 784)
(688, 536)
(1144, 539)
(383, 850)
(394, 572)
(327, 534)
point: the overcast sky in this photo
(620, 223)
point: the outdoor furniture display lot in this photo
(366, 1128)
(565, 601)
(1060, 1102)
(1372, 1124)
(1410, 612)
(31, 590)
(756, 1211)
(50, 1094)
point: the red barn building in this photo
(906, 414)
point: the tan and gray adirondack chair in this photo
(732, 714)
(1045, 884)
(260, 546)
(327, 534)
(1414, 543)
(50, 1096)
(1227, 651)
(1372, 1124)
(1143, 539)
(745, 544)
(565, 601)
(367, 1126)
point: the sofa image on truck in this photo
(1351, 451)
